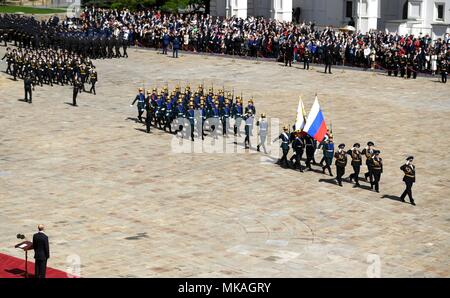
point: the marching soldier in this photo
(409, 178)
(310, 148)
(250, 107)
(191, 118)
(341, 163)
(148, 109)
(377, 169)
(202, 110)
(140, 98)
(226, 114)
(8, 57)
(263, 129)
(77, 88)
(237, 114)
(356, 163)
(284, 137)
(403, 65)
(328, 154)
(298, 146)
(368, 153)
(248, 128)
(93, 79)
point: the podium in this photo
(25, 246)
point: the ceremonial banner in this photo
(315, 123)
(301, 116)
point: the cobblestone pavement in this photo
(128, 206)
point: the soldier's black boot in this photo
(257, 148)
(412, 202)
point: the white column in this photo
(281, 10)
(373, 14)
(236, 8)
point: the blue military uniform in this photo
(140, 98)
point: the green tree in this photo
(132, 4)
(194, 5)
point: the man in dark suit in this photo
(41, 252)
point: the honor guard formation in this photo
(44, 53)
(169, 110)
(61, 52)
(302, 143)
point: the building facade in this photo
(430, 17)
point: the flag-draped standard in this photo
(301, 116)
(315, 123)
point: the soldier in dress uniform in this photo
(403, 65)
(28, 85)
(140, 98)
(310, 148)
(149, 112)
(409, 178)
(190, 115)
(8, 57)
(77, 88)
(368, 153)
(248, 128)
(298, 145)
(377, 169)
(284, 137)
(237, 115)
(328, 154)
(93, 79)
(263, 130)
(250, 107)
(341, 163)
(356, 163)
(225, 115)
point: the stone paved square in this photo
(129, 206)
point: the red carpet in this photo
(12, 267)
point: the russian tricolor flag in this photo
(315, 124)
